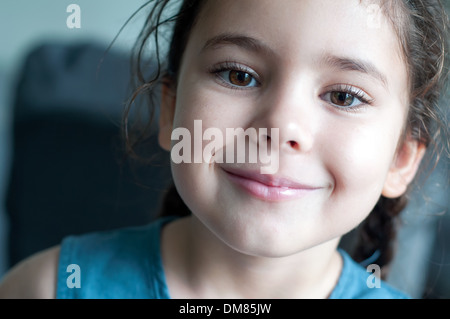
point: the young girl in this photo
(345, 94)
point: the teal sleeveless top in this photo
(127, 264)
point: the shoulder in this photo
(33, 278)
(357, 282)
(100, 245)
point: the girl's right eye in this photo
(235, 76)
(238, 78)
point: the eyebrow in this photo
(254, 45)
(243, 41)
(353, 64)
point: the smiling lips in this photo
(268, 187)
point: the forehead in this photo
(299, 31)
(347, 21)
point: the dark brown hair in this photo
(422, 29)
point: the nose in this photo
(292, 115)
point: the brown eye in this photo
(342, 98)
(240, 78)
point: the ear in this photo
(403, 168)
(167, 114)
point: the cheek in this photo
(196, 104)
(358, 164)
(192, 179)
(360, 161)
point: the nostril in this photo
(264, 139)
(293, 144)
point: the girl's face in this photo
(330, 76)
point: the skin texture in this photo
(237, 245)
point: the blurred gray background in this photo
(25, 24)
(422, 266)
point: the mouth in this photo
(272, 188)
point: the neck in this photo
(199, 265)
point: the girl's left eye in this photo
(346, 97)
(343, 99)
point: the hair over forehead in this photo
(398, 14)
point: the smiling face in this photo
(336, 88)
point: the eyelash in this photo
(233, 66)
